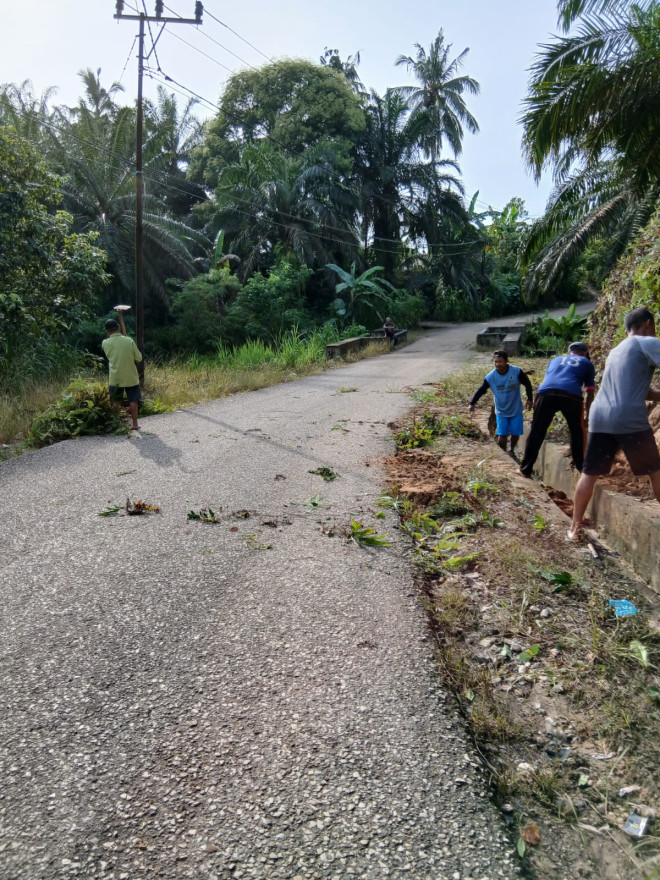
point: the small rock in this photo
(545, 612)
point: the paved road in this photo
(179, 703)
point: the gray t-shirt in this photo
(619, 407)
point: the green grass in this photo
(185, 382)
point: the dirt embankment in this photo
(561, 696)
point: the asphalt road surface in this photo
(252, 699)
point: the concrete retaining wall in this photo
(630, 527)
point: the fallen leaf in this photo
(531, 835)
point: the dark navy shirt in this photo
(569, 373)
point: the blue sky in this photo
(51, 40)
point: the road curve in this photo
(180, 702)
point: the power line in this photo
(247, 42)
(221, 45)
(128, 58)
(210, 57)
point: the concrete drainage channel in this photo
(629, 527)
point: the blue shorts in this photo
(509, 426)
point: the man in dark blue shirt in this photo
(561, 391)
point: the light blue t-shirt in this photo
(620, 405)
(506, 391)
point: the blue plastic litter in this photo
(622, 607)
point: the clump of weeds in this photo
(327, 473)
(365, 536)
(205, 515)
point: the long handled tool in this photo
(120, 309)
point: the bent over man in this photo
(619, 418)
(505, 381)
(561, 391)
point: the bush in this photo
(268, 306)
(82, 409)
(199, 310)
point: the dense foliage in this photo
(50, 277)
(308, 201)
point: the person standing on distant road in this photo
(561, 391)
(619, 418)
(505, 381)
(123, 354)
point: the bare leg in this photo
(514, 443)
(502, 442)
(583, 492)
(655, 483)
(133, 409)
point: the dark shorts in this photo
(639, 448)
(132, 394)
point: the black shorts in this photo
(639, 448)
(132, 393)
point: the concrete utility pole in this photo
(159, 18)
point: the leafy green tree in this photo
(271, 204)
(297, 104)
(97, 100)
(50, 278)
(439, 94)
(28, 114)
(199, 309)
(348, 68)
(269, 305)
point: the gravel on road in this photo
(252, 699)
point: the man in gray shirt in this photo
(618, 418)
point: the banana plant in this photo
(360, 290)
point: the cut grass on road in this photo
(178, 384)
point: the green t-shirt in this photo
(122, 353)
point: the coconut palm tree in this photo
(95, 156)
(28, 114)
(439, 95)
(593, 117)
(171, 136)
(271, 200)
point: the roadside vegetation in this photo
(561, 696)
(300, 217)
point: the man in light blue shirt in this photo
(505, 381)
(619, 418)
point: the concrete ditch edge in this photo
(629, 526)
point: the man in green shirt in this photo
(122, 354)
